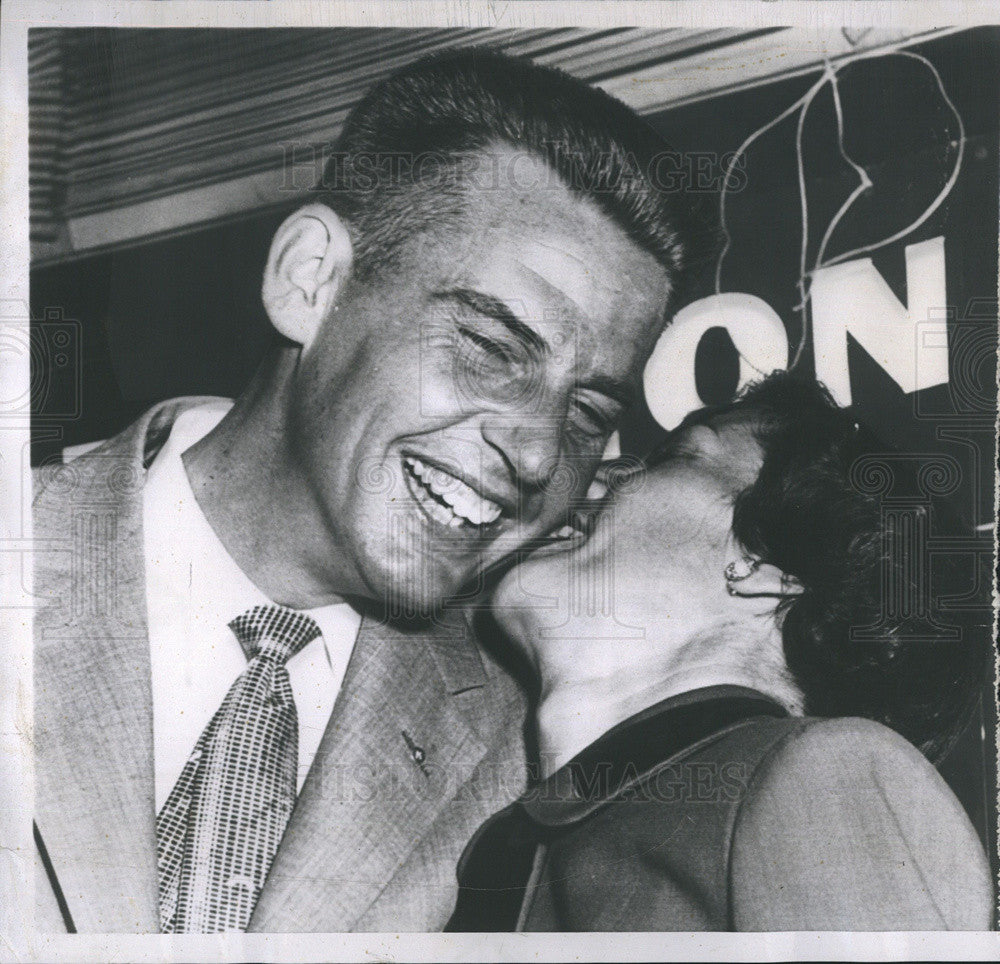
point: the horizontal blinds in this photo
(46, 108)
(153, 112)
(136, 133)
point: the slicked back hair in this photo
(407, 150)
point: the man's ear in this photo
(309, 263)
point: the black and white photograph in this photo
(524, 472)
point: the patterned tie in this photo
(221, 825)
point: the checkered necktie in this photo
(221, 825)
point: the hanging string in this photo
(740, 151)
(802, 105)
(948, 185)
(864, 182)
(829, 75)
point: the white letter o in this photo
(756, 331)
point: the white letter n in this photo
(908, 341)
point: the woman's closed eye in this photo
(689, 443)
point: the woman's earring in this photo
(738, 571)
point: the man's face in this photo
(449, 410)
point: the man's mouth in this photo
(447, 499)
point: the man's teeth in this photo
(464, 504)
(567, 532)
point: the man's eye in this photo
(595, 420)
(488, 345)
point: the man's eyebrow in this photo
(494, 308)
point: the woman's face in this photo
(655, 557)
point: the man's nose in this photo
(530, 448)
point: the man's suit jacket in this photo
(715, 811)
(374, 839)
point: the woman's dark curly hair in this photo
(872, 633)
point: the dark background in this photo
(183, 316)
(900, 130)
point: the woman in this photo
(735, 669)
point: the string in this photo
(948, 185)
(829, 75)
(732, 164)
(802, 105)
(864, 181)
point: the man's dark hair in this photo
(398, 164)
(877, 631)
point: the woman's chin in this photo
(509, 595)
(530, 595)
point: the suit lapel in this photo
(94, 795)
(416, 714)
(367, 802)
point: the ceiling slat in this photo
(150, 122)
(154, 114)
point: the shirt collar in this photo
(215, 587)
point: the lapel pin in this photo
(417, 754)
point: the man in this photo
(241, 604)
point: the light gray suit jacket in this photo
(374, 839)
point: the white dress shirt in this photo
(193, 590)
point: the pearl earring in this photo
(747, 567)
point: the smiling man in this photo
(254, 709)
